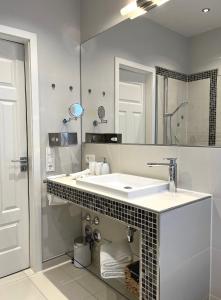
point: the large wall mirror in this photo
(157, 77)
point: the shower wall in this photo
(195, 122)
(171, 93)
(198, 112)
(177, 94)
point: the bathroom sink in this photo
(123, 185)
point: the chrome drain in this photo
(128, 187)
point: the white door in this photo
(132, 112)
(14, 211)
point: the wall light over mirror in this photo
(138, 8)
(161, 75)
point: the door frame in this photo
(130, 65)
(29, 40)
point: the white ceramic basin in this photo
(123, 185)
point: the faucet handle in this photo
(172, 160)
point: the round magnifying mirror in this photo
(76, 110)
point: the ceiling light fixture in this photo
(206, 10)
(140, 7)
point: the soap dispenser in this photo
(105, 169)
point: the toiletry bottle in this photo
(98, 168)
(105, 169)
(92, 165)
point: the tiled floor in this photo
(61, 282)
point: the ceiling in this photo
(186, 17)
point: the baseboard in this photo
(214, 298)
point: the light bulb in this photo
(132, 10)
(160, 2)
(136, 13)
(206, 10)
(129, 8)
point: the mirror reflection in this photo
(157, 77)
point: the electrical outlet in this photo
(89, 158)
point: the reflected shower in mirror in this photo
(157, 77)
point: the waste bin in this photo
(82, 253)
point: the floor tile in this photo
(58, 276)
(55, 262)
(92, 284)
(106, 294)
(47, 288)
(74, 272)
(73, 291)
(61, 282)
(21, 290)
(12, 278)
(29, 272)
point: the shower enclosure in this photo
(186, 108)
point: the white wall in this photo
(198, 112)
(57, 24)
(198, 169)
(206, 51)
(151, 45)
(99, 15)
(206, 55)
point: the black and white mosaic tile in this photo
(171, 74)
(212, 75)
(146, 221)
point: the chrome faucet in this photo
(172, 172)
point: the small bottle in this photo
(105, 169)
(98, 168)
(92, 165)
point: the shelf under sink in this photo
(117, 284)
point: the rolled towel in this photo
(56, 176)
(114, 257)
(80, 175)
(55, 201)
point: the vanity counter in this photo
(159, 202)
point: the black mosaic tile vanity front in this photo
(146, 221)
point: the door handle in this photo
(23, 163)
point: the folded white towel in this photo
(114, 257)
(109, 274)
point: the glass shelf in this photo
(117, 284)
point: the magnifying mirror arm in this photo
(96, 123)
(65, 121)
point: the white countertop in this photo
(159, 202)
